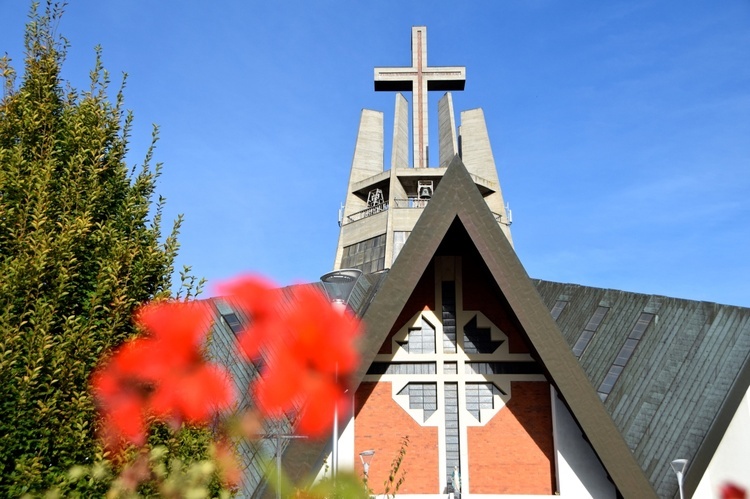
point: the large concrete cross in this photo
(419, 79)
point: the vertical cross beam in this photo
(419, 79)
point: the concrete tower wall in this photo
(400, 150)
(476, 153)
(368, 151)
(446, 130)
(367, 161)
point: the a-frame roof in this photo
(683, 382)
(458, 201)
(689, 335)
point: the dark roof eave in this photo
(459, 198)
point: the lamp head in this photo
(366, 457)
(679, 465)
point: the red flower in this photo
(259, 298)
(286, 382)
(732, 491)
(162, 375)
(312, 355)
(322, 336)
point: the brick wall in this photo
(379, 424)
(514, 452)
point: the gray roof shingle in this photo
(678, 379)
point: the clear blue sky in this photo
(621, 129)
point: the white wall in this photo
(731, 463)
(579, 473)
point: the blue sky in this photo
(621, 129)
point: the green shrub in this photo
(80, 248)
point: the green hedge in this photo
(80, 248)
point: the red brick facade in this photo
(514, 452)
(379, 425)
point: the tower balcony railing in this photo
(415, 202)
(367, 212)
(412, 202)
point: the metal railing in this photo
(367, 212)
(415, 202)
(412, 202)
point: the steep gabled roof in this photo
(684, 379)
(458, 200)
(675, 396)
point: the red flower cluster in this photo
(311, 347)
(162, 375)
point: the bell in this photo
(425, 192)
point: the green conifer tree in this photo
(80, 248)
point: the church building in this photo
(506, 386)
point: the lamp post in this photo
(366, 457)
(338, 286)
(278, 437)
(335, 441)
(679, 465)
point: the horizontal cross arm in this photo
(402, 79)
(395, 79)
(446, 85)
(445, 78)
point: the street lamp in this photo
(366, 457)
(679, 465)
(338, 285)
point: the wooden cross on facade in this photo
(419, 79)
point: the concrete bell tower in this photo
(382, 206)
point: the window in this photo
(558, 308)
(588, 332)
(524, 367)
(399, 239)
(478, 339)
(402, 368)
(367, 256)
(421, 340)
(449, 316)
(609, 382)
(623, 356)
(422, 396)
(233, 322)
(480, 396)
